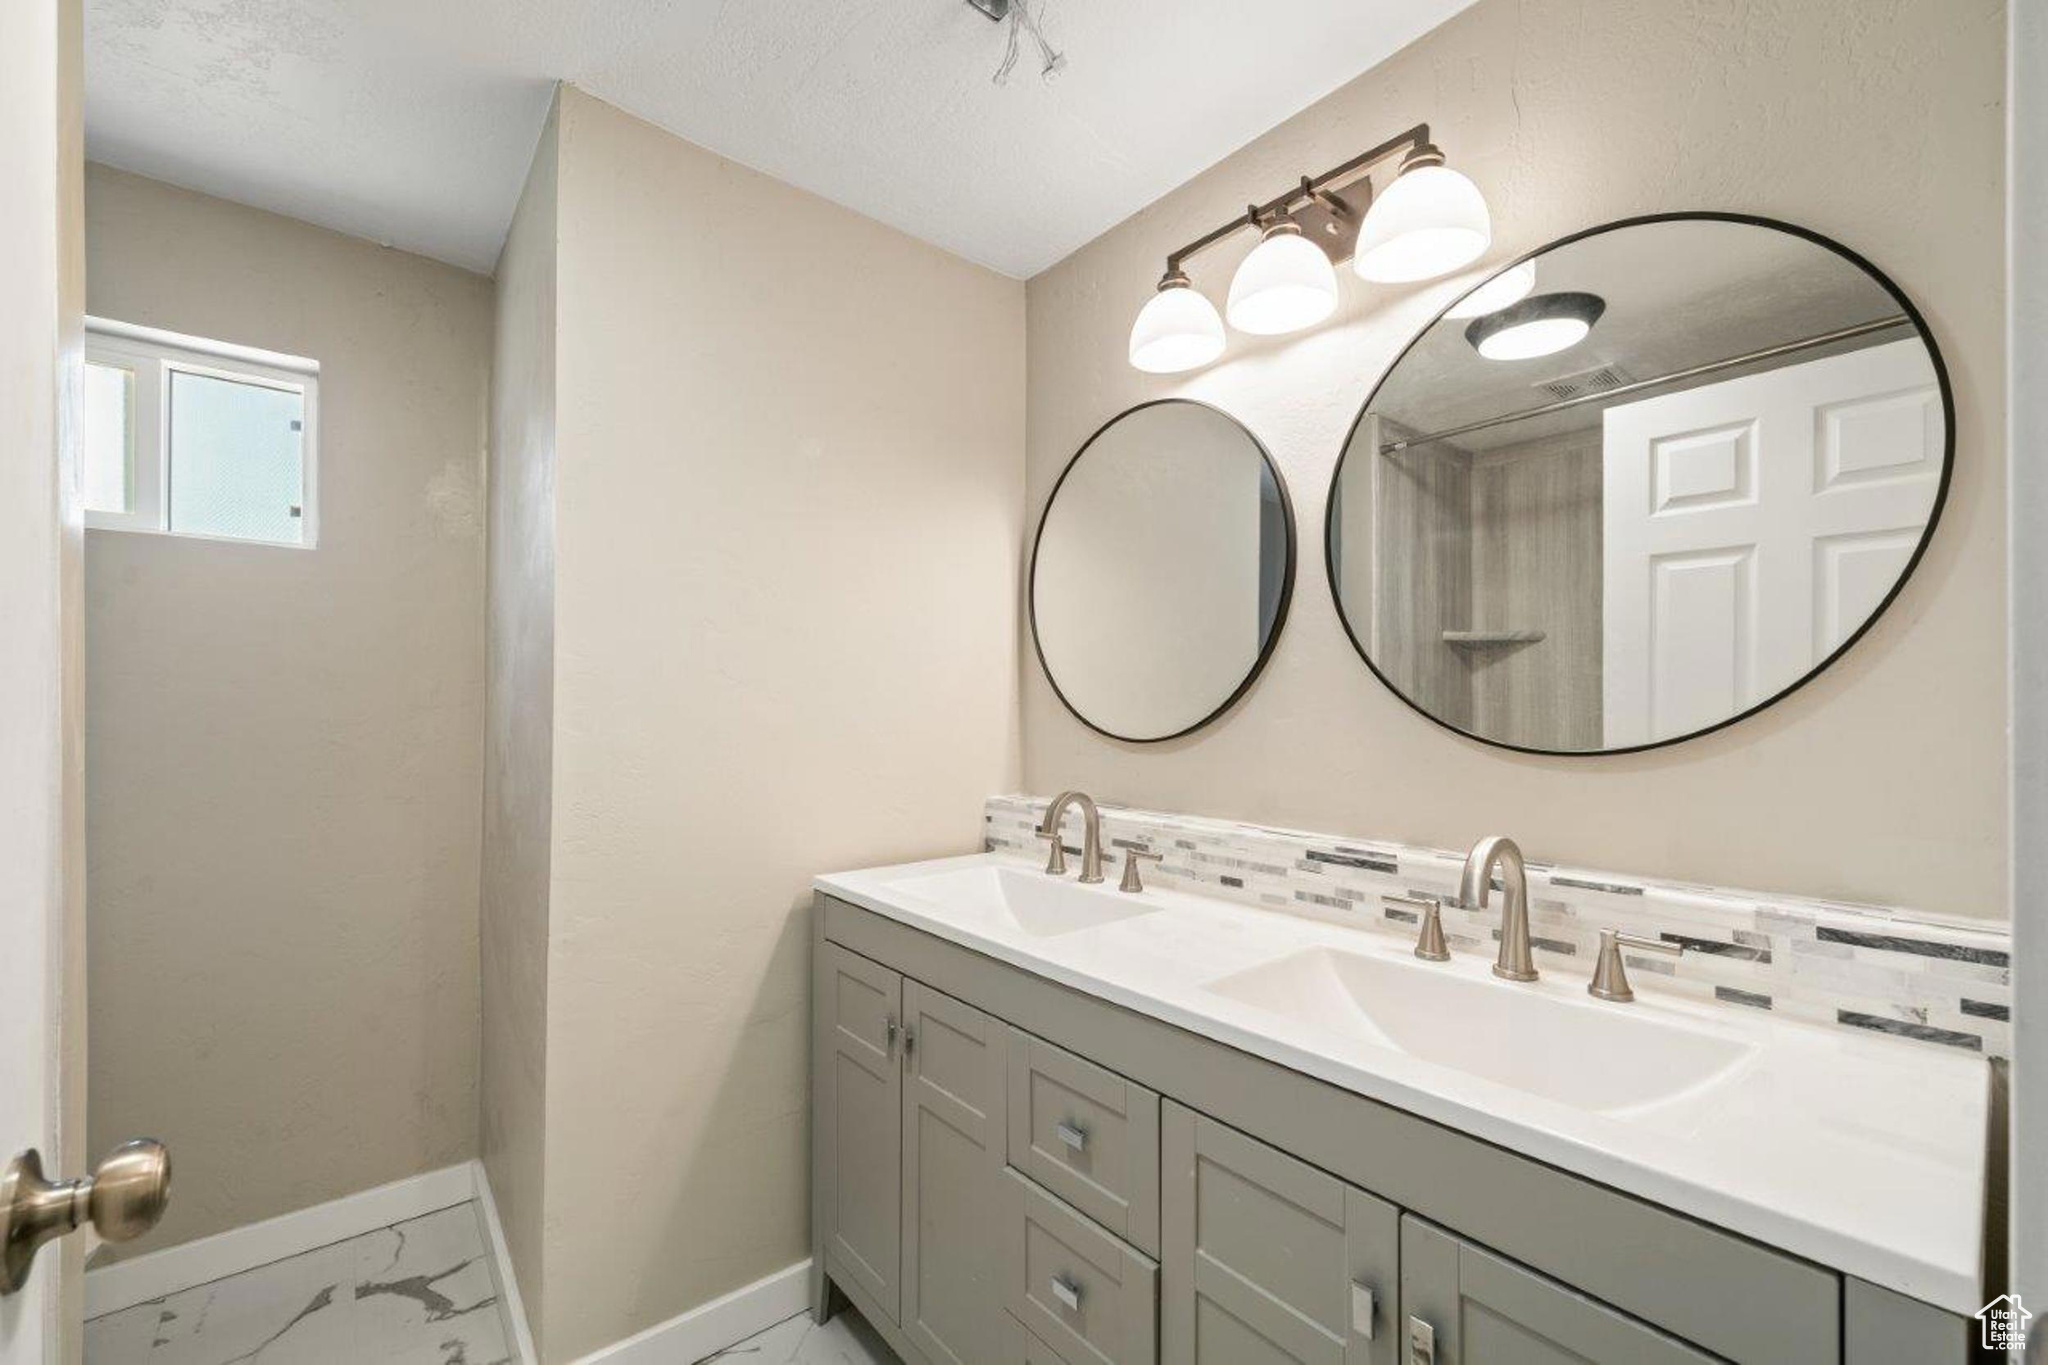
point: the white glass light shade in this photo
(1286, 284)
(1528, 340)
(1510, 286)
(1429, 222)
(1176, 330)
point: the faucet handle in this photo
(1056, 860)
(1429, 942)
(1131, 880)
(1610, 976)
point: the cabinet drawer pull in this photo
(1363, 1309)
(1076, 1138)
(1067, 1292)
(1421, 1342)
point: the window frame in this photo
(151, 356)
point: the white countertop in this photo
(1866, 1155)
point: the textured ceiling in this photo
(412, 121)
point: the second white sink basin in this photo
(1592, 1056)
(1027, 902)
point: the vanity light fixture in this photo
(1540, 325)
(1512, 285)
(1177, 329)
(1286, 284)
(1428, 221)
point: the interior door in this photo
(1751, 526)
(863, 1106)
(953, 1135)
(41, 854)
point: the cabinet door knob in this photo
(1076, 1138)
(1067, 1292)
(889, 1031)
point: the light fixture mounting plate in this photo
(1334, 230)
(997, 10)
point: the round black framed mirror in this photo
(1640, 484)
(1162, 571)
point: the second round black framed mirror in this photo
(1640, 484)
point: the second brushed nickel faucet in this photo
(1497, 850)
(1091, 836)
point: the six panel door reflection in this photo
(1751, 526)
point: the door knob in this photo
(123, 1198)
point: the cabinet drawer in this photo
(1088, 1295)
(1021, 1347)
(1088, 1135)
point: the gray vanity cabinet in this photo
(953, 1136)
(910, 1093)
(860, 1106)
(1008, 1171)
(1462, 1305)
(1269, 1261)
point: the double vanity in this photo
(1067, 1123)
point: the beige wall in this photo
(519, 721)
(1879, 125)
(788, 519)
(284, 746)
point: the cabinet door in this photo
(1268, 1261)
(1461, 1305)
(952, 1178)
(862, 1121)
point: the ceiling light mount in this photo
(998, 10)
(1426, 220)
(1539, 325)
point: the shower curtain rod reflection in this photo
(1711, 367)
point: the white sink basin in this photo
(1593, 1056)
(1030, 903)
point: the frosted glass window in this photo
(109, 438)
(236, 466)
(188, 436)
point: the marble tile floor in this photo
(421, 1292)
(846, 1340)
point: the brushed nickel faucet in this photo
(1429, 936)
(1497, 850)
(1610, 974)
(1132, 882)
(1091, 836)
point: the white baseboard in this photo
(127, 1283)
(501, 1268)
(710, 1328)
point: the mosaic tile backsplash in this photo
(1940, 981)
